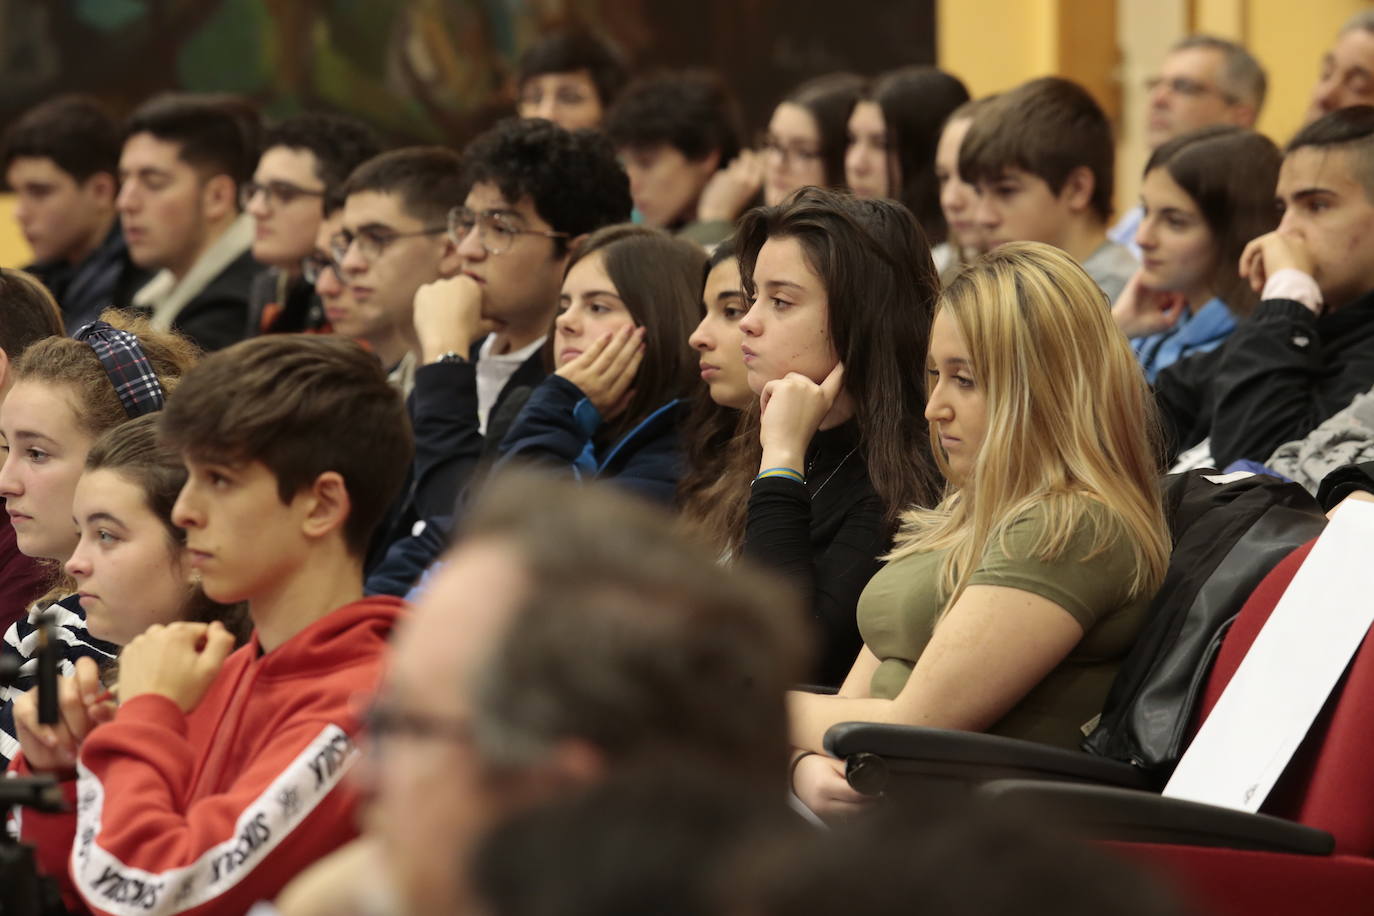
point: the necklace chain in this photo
(827, 480)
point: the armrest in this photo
(1126, 815)
(879, 757)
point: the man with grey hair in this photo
(571, 633)
(1347, 73)
(1204, 81)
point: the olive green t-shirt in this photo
(898, 610)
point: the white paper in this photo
(1285, 678)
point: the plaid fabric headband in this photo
(127, 366)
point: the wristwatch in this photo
(452, 356)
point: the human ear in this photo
(327, 505)
(1077, 192)
(219, 196)
(101, 186)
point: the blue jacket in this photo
(1196, 332)
(555, 428)
(557, 425)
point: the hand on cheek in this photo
(791, 409)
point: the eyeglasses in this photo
(496, 231)
(314, 266)
(788, 154)
(373, 241)
(1182, 85)
(279, 193)
(382, 722)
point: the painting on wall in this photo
(427, 70)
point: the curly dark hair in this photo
(339, 144)
(571, 50)
(572, 177)
(691, 111)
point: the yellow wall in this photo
(1289, 39)
(14, 251)
(992, 45)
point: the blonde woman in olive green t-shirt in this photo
(1008, 607)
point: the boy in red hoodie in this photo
(221, 773)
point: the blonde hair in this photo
(1070, 421)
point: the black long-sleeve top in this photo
(826, 537)
(1276, 378)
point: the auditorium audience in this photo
(1204, 81)
(60, 160)
(804, 145)
(673, 132)
(1347, 70)
(213, 749)
(1205, 196)
(952, 496)
(569, 77)
(1009, 607)
(65, 393)
(1042, 159)
(958, 198)
(184, 159)
(30, 314)
(893, 133)
(305, 158)
(840, 294)
(530, 668)
(1304, 353)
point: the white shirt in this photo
(493, 371)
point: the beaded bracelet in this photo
(789, 473)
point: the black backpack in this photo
(1227, 535)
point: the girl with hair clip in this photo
(804, 146)
(1008, 607)
(1205, 195)
(130, 570)
(893, 134)
(67, 392)
(704, 494)
(841, 293)
(613, 406)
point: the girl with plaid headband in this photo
(67, 393)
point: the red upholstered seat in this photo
(1328, 785)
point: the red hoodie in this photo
(209, 812)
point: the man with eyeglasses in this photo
(534, 190)
(183, 161)
(1204, 81)
(304, 158)
(394, 240)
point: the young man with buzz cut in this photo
(61, 160)
(184, 160)
(1042, 160)
(222, 773)
(534, 191)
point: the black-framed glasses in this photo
(384, 722)
(279, 193)
(1182, 85)
(314, 266)
(496, 231)
(373, 240)
(788, 153)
